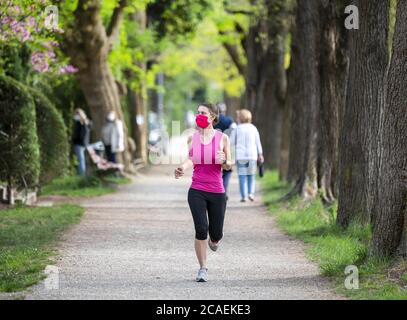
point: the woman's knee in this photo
(216, 236)
(201, 233)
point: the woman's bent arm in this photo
(226, 149)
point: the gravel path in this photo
(138, 244)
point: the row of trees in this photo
(328, 101)
(91, 36)
(336, 118)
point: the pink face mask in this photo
(202, 121)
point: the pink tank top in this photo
(207, 175)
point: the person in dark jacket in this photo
(80, 139)
(226, 124)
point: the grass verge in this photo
(75, 186)
(334, 248)
(27, 242)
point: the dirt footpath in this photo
(139, 244)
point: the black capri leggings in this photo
(215, 203)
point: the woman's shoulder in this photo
(191, 135)
(223, 136)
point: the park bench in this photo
(103, 166)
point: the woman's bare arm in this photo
(226, 149)
(179, 171)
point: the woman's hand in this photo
(261, 158)
(179, 172)
(221, 156)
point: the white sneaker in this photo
(202, 275)
(251, 197)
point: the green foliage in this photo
(52, 137)
(14, 59)
(66, 95)
(198, 71)
(27, 236)
(174, 18)
(332, 247)
(19, 155)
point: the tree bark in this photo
(306, 100)
(297, 123)
(358, 146)
(138, 104)
(88, 45)
(254, 52)
(233, 104)
(333, 73)
(286, 129)
(139, 112)
(389, 233)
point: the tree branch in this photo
(239, 29)
(112, 30)
(231, 11)
(234, 55)
(235, 11)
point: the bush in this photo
(19, 156)
(14, 60)
(52, 137)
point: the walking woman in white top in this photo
(245, 140)
(113, 136)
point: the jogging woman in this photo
(209, 152)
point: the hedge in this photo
(19, 150)
(52, 137)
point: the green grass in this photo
(75, 186)
(332, 247)
(27, 240)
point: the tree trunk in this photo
(138, 104)
(391, 211)
(306, 99)
(297, 122)
(233, 104)
(268, 115)
(88, 45)
(10, 192)
(285, 130)
(254, 53)
(266, 78)
(358, 145)
(264, 73)
(333, 73)
(139, 118)
(100, 91)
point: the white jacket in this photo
(245, 141)
(113, 135)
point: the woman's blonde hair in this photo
(245, 116)
(82, 115)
